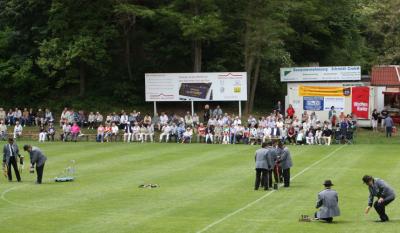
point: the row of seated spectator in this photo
(27, 117)
(219, 128)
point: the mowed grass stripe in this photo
(281, 211)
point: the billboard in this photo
(313, 103)
(360, 102)
(323, 73)
(337, 102)
(324, 91)
(228, 86)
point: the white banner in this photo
(323, 73)
(196, 86)
(337, 102)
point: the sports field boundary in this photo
(206, 228)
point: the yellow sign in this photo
(323, 91)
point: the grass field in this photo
(203, 188)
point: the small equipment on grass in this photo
(305, 218)
(149, 186)
(68, 174)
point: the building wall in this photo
(297, 101)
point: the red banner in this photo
(360, 102)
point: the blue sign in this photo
(313, 103)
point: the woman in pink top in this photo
(75, 130)
(100, 133)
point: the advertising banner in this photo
(313, 103)
(196, 86)
(323, 91)
(323, 73)
(337, 102)
(360, 102)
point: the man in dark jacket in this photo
(37, 157)
(10, 158)
(380, 189)
(285, 160)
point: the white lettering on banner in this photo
(361, 106)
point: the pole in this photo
(240, 108)
(192, 106)
(155, 108)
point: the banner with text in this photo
(313, 103)
(360, 102)
(196, 86)
(337, 102)
(323, 91)
(323, 73)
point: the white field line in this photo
(267, 194)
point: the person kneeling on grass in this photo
(379, 188)
(327, 203)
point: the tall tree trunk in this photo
(197, 55)
(128, 55)
(254, 85)
(82, 79)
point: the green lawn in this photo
(202, 187)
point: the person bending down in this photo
(385, 194)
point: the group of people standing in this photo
(11, 158)
(275, 160)
(272, 159)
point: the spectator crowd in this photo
(214, 126)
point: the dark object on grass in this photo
(149, 186)
(304, 218)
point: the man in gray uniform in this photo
(37, 157)
(385, 194)
(271, 157)
(327, 203)
(261, 167)
(285, 160)
(10, 158)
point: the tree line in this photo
(95, 52)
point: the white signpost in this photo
(229, 86)
(323, 73)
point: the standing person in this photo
(389, 125)
(278, 107)
(10, 153)
(290, 111)
(384, 114)
(332, 116)
(271, 157)
(380, 189)
(374, 120)
(37, 157)
(261, 167)
(327, 203)
(285, 160)
(207, 113)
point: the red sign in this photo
(360, 102)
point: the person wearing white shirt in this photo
(99, 119)
(124, 119)
(143, 133)
(267, 134)
(300, 137)
(188, 119)
(127, 132)
(136, 132)
(163, 119)
(17, 130)
(3, 130)
(187, 135)
(310, 137)
(166, 131)
(91, 120)
(237, 121)
(150, 132)
(114, 132)
(253, 135)
(283, 134)
(318, 136)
